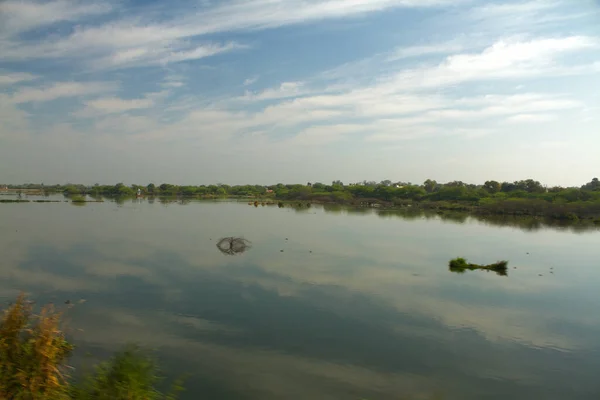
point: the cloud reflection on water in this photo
(371, 312)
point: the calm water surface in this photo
(357, 306)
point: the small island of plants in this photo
(460, 265)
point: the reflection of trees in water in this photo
(333, 208)
(526, 223)
(233, 245)
(165, 201)
(462, 271)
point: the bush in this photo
(129, 375)
(33, 356)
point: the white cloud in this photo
(387, 110)
(428, 49)
(172, 84)
(199, 52)
(284, 91)
(262, 14)
(530, 16)
(504, 59)
(171, 52)
(513, 9)
(16, 77)
(114, 104)
(136, 42)
(250, 81)
(60, 90)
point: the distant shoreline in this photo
(520, 198)
(527, 208)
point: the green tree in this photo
(593, 185)
(430, 185)
(492, 187)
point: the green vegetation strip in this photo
(520, 198)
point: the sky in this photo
(296, 91)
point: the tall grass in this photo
(33, 353)
(33, 363)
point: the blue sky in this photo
(266, 91)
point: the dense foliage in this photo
(526, 197)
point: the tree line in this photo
(384, 190)
(527, 197)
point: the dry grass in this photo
(33, 353)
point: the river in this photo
(328, 303)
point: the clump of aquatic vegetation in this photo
(78, 199)
(33, 363)
(233, 245)
(461, 265)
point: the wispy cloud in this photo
(405, 105)
(134, 42)
(20, 16)
(533, 118)
(505, 59)
(284, 91)
(250, 81)
(16, 77)
(513, 8)
(114, 105)
(466, 69)
(154, 55)
(108, 105)
(60, 90)
(450, 47)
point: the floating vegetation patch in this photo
(233, 245)
(13, 201)
(460, 265)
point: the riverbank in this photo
(581, 212)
